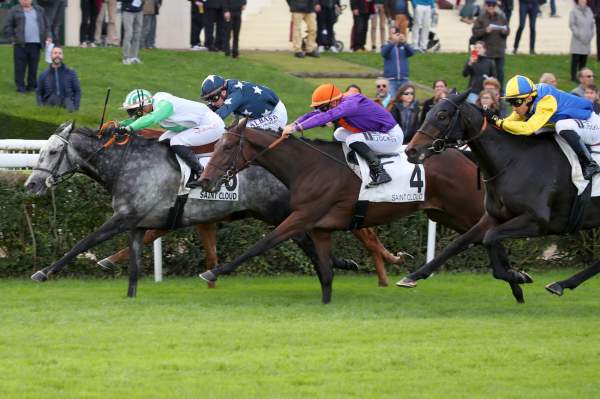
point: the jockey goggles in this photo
(323, 107)
(214, 98)
(516, 102)
(135, 112)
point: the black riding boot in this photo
(189, 157)
(588, 165)
(378, 173)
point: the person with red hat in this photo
(366, 127)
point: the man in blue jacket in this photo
(58, 85)
(395, 60)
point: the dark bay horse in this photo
(528, 184)
(323, 192)
(130, 172)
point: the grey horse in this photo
(130, 170)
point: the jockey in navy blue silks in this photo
(258, 103)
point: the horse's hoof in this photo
(347, 264)
(208, 276)
(527, 279)
(39, 276)
(406, 283)
(384, 284)
(211, 284)
(106, 265)
(555, 288)
(403, 255)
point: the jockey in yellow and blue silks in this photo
(535, 106)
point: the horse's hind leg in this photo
(501, 270)
(573, 282)
(110, 262)
(109, 229)
(371, 242)
(322, 240)
(136, 238)
(208, 235)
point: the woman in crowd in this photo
(581, 24)
(440, 87)
(405, 110)
(488, 100)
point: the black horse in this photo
(528, 184)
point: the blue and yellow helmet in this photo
(519, 86)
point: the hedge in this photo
(36, 231)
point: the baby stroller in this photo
(337, 45)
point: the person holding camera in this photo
(395, 55)
(478, 68)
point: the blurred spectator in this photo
(395, 60)
(107, 13)
(586, 78)
(197, 9)
(55, 16)
(89, 12)
(214, 18)
(581, 24)
(326, 18)
(491, 28)
(378, 17)
(595, 6)
(469, 11)
(361, 12)
(488, 100)
(133, 17)
(304, 10)
(405, 110)
(353, 89)
(58, 85)
(151, 8)
(549, 79)
(478, 68)
(493, 86)
(507, 7)
(439, 86)
(421, 23)
(398, 11)
(527, 8)
(233, 25)
(25, 26)
(591, 93)
(382, 94)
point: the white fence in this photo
(23, 154)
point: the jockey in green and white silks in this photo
(188, 123)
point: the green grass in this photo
(456, 336)
(181, 72)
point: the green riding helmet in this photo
(136, 99)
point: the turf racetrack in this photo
(455, 336)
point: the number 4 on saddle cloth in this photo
(408, 180)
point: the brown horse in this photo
(208, 235)
(323, 193)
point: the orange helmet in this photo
(325, 94)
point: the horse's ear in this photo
(65, 127)
(241, 125)
(460, 98)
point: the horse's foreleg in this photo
(322, 240)
(574, 281)
(371, 242)
(208, 235)
(463, 242)
(112, 227)
(136, 244)
(122, 255)
(294, 224)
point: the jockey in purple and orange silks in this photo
(366, 127)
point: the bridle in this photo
(439, 144)
(73, 167)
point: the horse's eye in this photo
(442, 116)
(53, 152)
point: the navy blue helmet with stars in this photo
(245, 99)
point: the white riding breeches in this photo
(195, 136)
(377, 141)
(275, 121)
(588, 130)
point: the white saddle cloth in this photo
(576, 173)
(407, 185)
(227, 192)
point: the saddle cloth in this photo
(226, 192)
(576, 173)
(408, 180)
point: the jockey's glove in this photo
(492, 118)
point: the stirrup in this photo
(381, 177)
(590, 170)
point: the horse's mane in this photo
(93, 134)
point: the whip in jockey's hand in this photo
(288, 130)
(491, 117)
